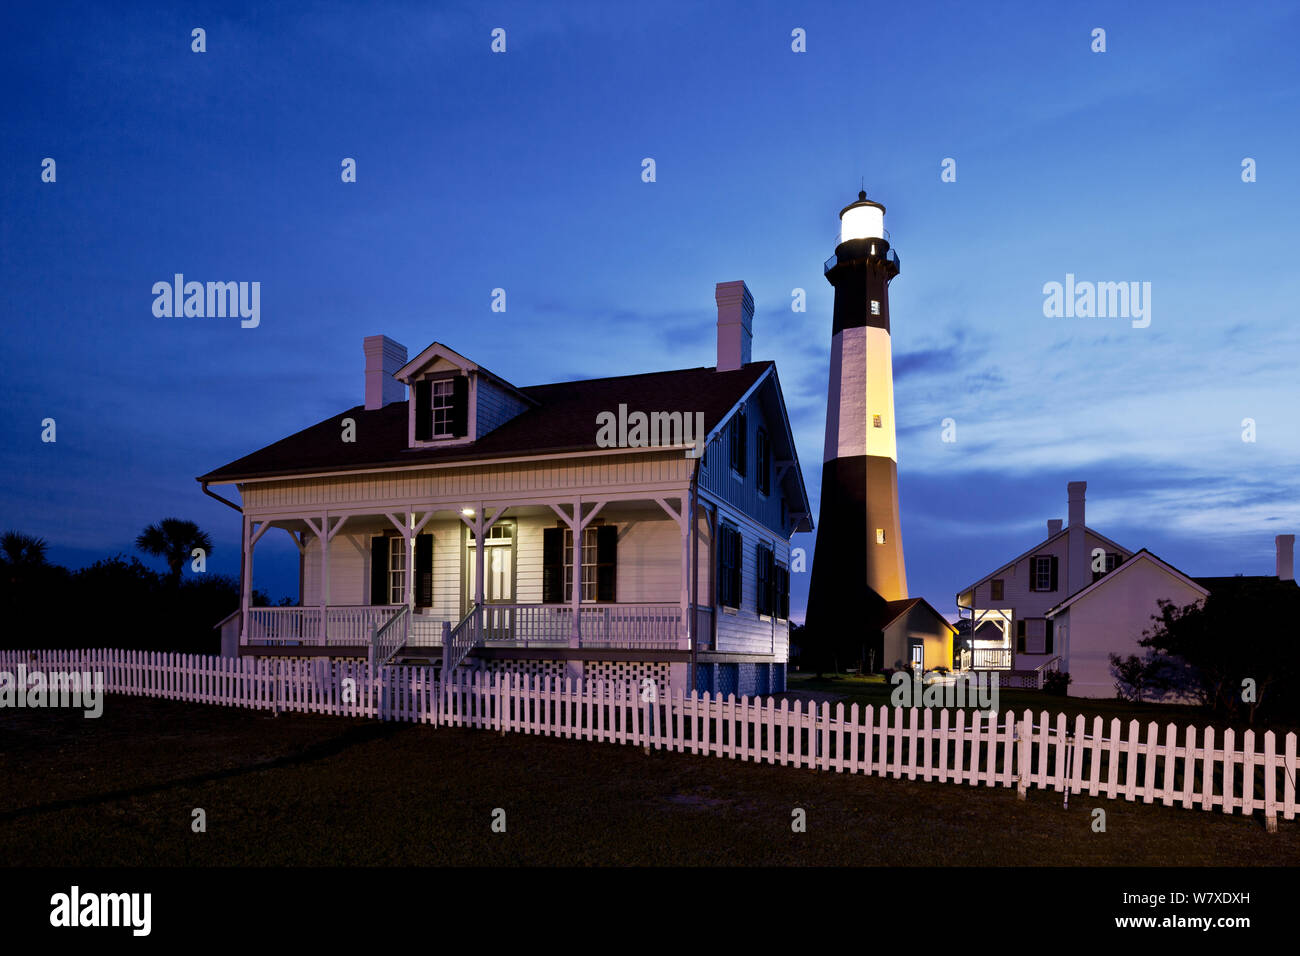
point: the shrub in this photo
(1056, 682)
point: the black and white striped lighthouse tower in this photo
(858, 542)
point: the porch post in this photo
(408, 542)
(686, 565)
(575, 634)
(245, 578)
(480, 555)
(481, 525)
(324, 574)
(713, 580)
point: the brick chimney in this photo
(383, 358)
(1080, 567)
(1053, 526)
(1285, 557)
(735, 324)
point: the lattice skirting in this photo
(743, 679)
(524, 667)
(637, 671)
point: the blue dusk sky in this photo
(478, 170)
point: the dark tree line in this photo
(1235, 654)
(118, 601)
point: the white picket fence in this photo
(1174, 766)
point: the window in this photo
(875, 422)
(738, 433)
(589, 567)
(880, 536)
(1111, 562)
(729, 561)
(875, 307)
(764, 463)
(995, 589)
(783, 592)
(1042, 572)
(442, 408)
(397, 571)
(1036, 641)
(599, 564)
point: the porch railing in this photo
(462, 639)
(389, 638)
(1045, 668)
(344, 624)
(641, 626)
(638, 626)
(992, 658)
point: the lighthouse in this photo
(858, 563)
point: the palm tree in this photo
(22, 550)
(173, 540)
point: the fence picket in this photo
(1016, 752)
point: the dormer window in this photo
(443, 402)
(441, 408)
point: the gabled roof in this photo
(437, 350)
(562, 421)
(896, 609)
(1244, 580)
(1046, 541)
(1110, 576)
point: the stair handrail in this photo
(464, 637)
(388, 640)
(1040, 672)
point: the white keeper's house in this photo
(1077, 597)
(440, 525)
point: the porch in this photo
(657, 626)
(416, 578)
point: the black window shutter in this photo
(742, 442)
(379, 570)
(460, 406)
(770, 558)
(760, 599)
(606, 562)
(1053, 587)
(784, 576)
(424, 570)
(1047, 640)
(729, 544)
(423, 410)
(552, 565)
(724, 556)
(1020, 636)
(737, 564)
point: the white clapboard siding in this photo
(1172, 766)
(584, 475)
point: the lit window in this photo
(589, 569)
(875, 421)
(396, 570)
(875, 307)
(880, 536)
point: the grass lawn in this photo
(304, 789)
(872, 689)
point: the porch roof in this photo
(563, 421)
